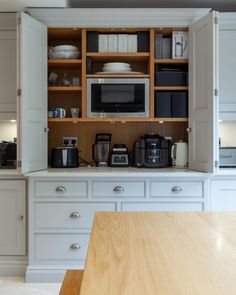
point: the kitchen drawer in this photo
(61, 189)
(176, 189)
(61, 246)
(119, 189)
(223, 195)
(163, 206)
(71, 215)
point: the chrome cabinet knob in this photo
(61, 189)
(46, 129)
(118, 189)
(20, 218)
(75, 246)
(189, 129)
(75, 215)
(176, 189)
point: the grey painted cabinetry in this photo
(12, 217)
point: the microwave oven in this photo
(117, 97)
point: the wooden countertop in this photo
(161, 253)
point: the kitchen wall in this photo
(8, 131)
(227, 133)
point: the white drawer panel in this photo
(61, 246)
(73, 215)
(162, 206)
(120, 189)
(176, 189)
(223, 195)
(61, 189)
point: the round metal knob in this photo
(118, 189)
(75, 215)
(176, 189)
(189, 129)
(75, 246)
(46, 129)
(20, 218)
(61, 189)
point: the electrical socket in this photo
(70, 139)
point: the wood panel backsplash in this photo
(125, 133)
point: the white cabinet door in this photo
(7, 74)
(223, 195)
(32, 81)
(227, 74)
(12, 217)
(203, 102)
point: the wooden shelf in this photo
(64, 88)
(69, 63)
(171, 61)
(171, 88)
(107, 56)
(117, 75)
(123, 120)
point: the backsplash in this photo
(8, 131)
(227, 133)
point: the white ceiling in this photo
(18, 5)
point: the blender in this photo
(101, 149)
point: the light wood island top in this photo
(161, 253)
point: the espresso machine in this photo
(101, 149)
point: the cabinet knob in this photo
(189, 129)
(75, 215)
(118, 189)
(75, 246)
(176, 189)
(20, 218)
(46, 129)
(61, 189)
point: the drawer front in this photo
(163, 206)
(176, 189)
(116, 189)
(61, 246)
(61, 189)
(73, 215)
(223, 195)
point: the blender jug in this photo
(101, 149)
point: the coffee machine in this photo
(101, 149)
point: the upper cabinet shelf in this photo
(108, 56)
(68, 63)
(171, 61)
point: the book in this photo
(132, 43)
(166, 48)
(122, 43)
(112, 42)
(103, 43)
(92, 41)
(158, 45)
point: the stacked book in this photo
(117, 43)
(162, 46)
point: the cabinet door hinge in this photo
(216, 20)
(19, 164)
(216, 164)
(216, 92)
(19, 20)
(19, 92)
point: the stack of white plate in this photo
(116, 67)
(63, 51)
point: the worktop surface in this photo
(160, 253)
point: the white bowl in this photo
(64, 54)
(117, 64)
(66, 47)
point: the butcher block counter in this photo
(161, 253)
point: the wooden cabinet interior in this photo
(123, 130)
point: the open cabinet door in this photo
(32, 94)
(203, 93)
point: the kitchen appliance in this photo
(119, 156)
(151, 151)
(179, 154)
(227, 157)
(65, 157)
(7, 155)
(117, 97)
(101, 149)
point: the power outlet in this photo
(70, 141)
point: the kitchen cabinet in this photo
(227, 66)
(223, 195)
(60, 218)
(12, 217)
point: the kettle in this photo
(179, 154)
(101, 149)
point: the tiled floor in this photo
(16, 286)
